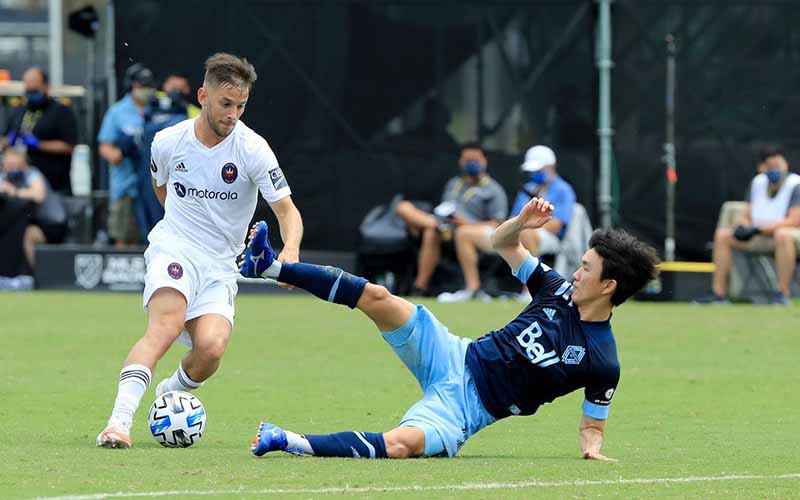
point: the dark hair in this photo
(222, 69)
(628, 261)
(176, 74)
(770, 151)
(45, 76)
(472, 145)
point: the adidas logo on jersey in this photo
(550, 313)
(180, 167)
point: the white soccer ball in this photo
(177, 419)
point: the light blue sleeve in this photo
(527, 268)
(599, 412)
(519, 202)
(108, 130)
(564, 200)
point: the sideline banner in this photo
(88, 268)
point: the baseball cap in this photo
(140, 74)
(538, 157)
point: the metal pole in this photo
(604, 130)
(479, 115)
(110, 65)
(56, 33)
(669, 152)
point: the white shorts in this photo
(549, 244)
(208, 285)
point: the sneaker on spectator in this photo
(419, 292)
(711, 298)
(779, 299)
(463, 296)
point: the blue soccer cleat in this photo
(269, 438)
(259, 254)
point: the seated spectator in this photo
(541, 180)
(47, 128)
(771, 224)
(24, 187)
(471, 202)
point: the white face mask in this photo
(143, 95)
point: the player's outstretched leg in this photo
(328, 283)
(402, 442)
(387, 311)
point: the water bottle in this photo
(81, 170)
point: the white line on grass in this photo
(454, 487)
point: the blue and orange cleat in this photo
(259, 254)
(269, 438)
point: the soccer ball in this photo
(177, 419)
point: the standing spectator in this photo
(472, 201)
(169, 108)
(120, 141)
(177, 84)
(771, 223)
(47, 128)
(30, 210)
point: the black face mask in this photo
(36, 99)
(16, 177)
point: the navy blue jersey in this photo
(545, 352)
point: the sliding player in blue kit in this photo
(560, 342)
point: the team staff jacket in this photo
(545, 352)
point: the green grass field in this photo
(708, 406)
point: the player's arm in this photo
(591, 438)
(291, 224)
(161, 192)
(505, 240)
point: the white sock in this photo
(297, 442)
(180, 381)
(133, 381)
(273, 271)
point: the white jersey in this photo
(212, 192)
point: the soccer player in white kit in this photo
(207, 172)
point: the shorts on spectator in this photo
(766, 244)
(121, 223)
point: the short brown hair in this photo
(222, 69)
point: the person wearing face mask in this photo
(541, 180)
(120, 141)
(471, 202)
(47, 129)
(168, 107)
(177, 87)
(30, 213)
(771, 224)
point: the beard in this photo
(212, 123)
